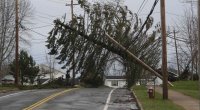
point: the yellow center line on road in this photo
(39, 103)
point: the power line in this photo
(42, 39)
(169, 13)
(150, 13)
(38, 39)
(140, 7)
(178, 39)
(45, 17)
(174, 14)
(17, 42)
(39, 42)
(41, 21)
(36, 32)
(41, 26)
(39, 55)
(144, 6)
(46, 14)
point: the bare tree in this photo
(7, 27)
(188, 47)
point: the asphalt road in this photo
(122, 99)
(21, 99)
(80, 99)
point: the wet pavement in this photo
(80, 99)
(122, 99)
(92, 99)
(18, 100)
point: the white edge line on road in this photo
(9, 95)
(108, 100)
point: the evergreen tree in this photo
(85, 36)
(27, 67)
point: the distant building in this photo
(115, 81)
(150, 79)
(8, 79)
(47, 74)
(172, 74)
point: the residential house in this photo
(150, 79)
(8, 79)
(115, 81)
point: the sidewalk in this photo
(188, 103)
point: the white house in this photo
(150, 81)
(115, 81)
(154, 81)
(8, 79)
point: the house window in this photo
(114, 83)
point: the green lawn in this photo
(7, 88)
(190, 88)
(154, 104)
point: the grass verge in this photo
(189, 88)
(4, 88)
(154, 104)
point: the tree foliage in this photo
(27, 67)
(85, 37)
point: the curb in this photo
(138, 102)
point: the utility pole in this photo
(198, 40)
(73, 60)
(53, 63)
(164, 50)
(50, 64)
(191, 42)
(72, 9)
(177, 59)
(17, 43)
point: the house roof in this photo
(115, 77)
(8, 78)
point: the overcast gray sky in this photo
(45, 11)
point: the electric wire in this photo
(150, 13)
(42, 26)
(36, 32)
(140, 7)
(143, 7)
